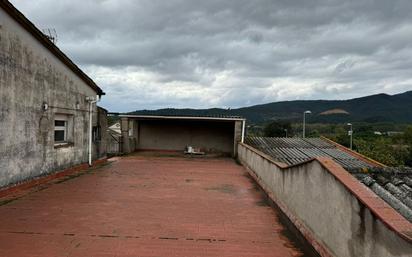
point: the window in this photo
(60, 131)
(63, 129)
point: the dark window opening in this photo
(60, 123)
(59, 136)
(96, 133)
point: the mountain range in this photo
(374, 108)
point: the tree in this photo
(277, 129)
(381, 150)
(342, 136)
(407, 136)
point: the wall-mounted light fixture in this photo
(45, 106)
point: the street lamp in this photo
(304, 121)
(350, 133)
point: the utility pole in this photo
(304, 122)
(350, 133)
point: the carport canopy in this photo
(211, 134)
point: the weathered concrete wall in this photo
(237, 136)
(125, 140)
(101, 144)
(332, 215)
(30, 76)
(211, 136)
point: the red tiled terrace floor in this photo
(146, 206)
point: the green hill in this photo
(374, 108)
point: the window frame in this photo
(65, 128)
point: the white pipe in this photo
(304, 123)
(91, 102)
(243, 130)
(351, 135)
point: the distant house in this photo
(45, 102)
(394, 133)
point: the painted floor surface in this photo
(146, 206)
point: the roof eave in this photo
(179, 117)
(36, 33)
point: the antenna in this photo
(51, 34)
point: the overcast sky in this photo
(149, 54)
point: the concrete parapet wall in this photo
(335, 212)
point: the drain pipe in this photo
(243, 130)
(91, 101)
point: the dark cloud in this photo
(185, 53)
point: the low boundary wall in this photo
(337, 214)
(33, 182)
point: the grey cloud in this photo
(187, 53)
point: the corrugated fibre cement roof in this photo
(296, 150)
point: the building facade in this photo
(45, 102)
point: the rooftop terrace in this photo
(147, 206)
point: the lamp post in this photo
(350, 133)
(304, 122)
